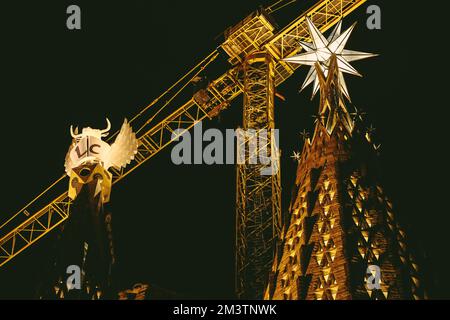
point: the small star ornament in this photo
(304, 134)
(296, 156)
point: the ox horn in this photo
(104, 132)
(73, 133)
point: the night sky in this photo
(174, 225)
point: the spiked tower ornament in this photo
(321, 50)
(342, 226)
(296, 156)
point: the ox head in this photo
(91, 132)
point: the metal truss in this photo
(258, 202)
(248, 36)
(34, 228)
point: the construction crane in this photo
(255, 50)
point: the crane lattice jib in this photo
(15, 236)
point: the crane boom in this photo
(15, 236)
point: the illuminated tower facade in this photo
(85, 256)
(84, 259)
(343, 241)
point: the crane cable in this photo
(207, 61)
(202, 65)
(273, 8)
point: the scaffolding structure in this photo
(258, 200)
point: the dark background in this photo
(174, 225)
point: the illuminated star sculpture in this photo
(304, 134)
(371, 129)
(358, 115)
(321, 50)
(318, 117)
(296, 156)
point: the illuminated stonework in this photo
(341, 219)
(85, 241)
(138, 292)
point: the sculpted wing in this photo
(123, 149)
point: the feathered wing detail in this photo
(68, 164)
(123, 149)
